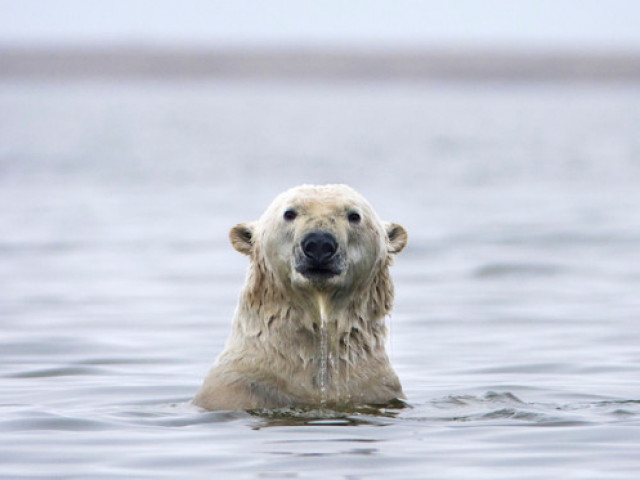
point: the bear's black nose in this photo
(319, 247)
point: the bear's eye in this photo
(354, 217)
(290, 215)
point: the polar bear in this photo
(309, 329)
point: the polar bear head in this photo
(321, 240)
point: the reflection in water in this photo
(349, 416)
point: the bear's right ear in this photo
(397, 236)
(241, 237)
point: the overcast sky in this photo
(585, 24)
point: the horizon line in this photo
(387, 63)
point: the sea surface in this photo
(516, 327)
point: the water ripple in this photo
(508, 409)
(59, 372)
(500, 270)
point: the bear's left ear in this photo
(397, 236)
(241, 237)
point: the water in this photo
(516, 327)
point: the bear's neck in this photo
(273, 319)
(317, 346)
(271, 308)
(307, 315)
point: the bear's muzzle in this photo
(317, 256)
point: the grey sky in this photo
(502, 23)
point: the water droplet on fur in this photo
(324, 354)
(335, 363)
(324, 359)
(347, 357)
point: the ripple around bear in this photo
(309, 328)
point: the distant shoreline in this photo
(122, 63)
